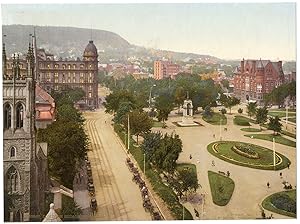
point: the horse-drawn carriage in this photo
(93, 205)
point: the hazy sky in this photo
(229, 31)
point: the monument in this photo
(187, 119)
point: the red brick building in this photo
(165, 69)
(254, 78)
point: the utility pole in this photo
(128, 133)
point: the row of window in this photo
(64, 66)
(7, 115)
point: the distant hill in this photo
(71, 41)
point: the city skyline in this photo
(223, 30)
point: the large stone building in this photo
(59, 74)
(254, 78)
(165, 69)
(24, 160)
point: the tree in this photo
(164, 105)
(114, 100)
(228, 101)
(139, 122)
(275, 125)
(251, 109)
(261, 116)
(223, 111)
(68, 96)
(124, 108)
(162, 151)
(180, 95)
(240, 110)
(67, 112)
(225, 83)
(70, 208)
(188, 179)
(207, 111)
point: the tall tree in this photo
(180, 96)
(251, 109)
(139, 122)
(261, 116)
(124, 108)
(114, 100)
(275, 125)
(188, 180)
(164, 105)
(228, 101)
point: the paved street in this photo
(250, 184)
(118, 197)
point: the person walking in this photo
(190, 156)
(268, 185)
(280, 175)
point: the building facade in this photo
(254, 78)
(24, 160)
(165, 69)
(80, 73)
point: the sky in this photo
(224, 30)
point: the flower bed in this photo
(245, 150)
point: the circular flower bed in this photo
(245, 150)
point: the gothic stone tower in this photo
(19, 139)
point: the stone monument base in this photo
(187, 122)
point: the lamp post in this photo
(286, 116)
(150, 96)
(144, 163)
(128, 134)
(274, 154)
(220, 129)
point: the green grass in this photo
(182, 166)
(251, 129)
(157, 124)
(283, 109)
(215, 119)
(278, 139)
(292, 119)
(280, 113)
(242, 121)
(289, 134)
(267, 204)
(265, 161)
(221, 188)
(163, 191)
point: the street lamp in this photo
(220, 129)
(150, 97)
(144, 163)
(286, 116)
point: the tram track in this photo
(107, 193)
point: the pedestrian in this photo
(213, 163)
(280, 175)
(288, 165)
(228, 173)
(268, 185)
(190, 156)
(214, 136)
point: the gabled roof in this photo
(42, 96)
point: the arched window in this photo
(12, 152)
(20, 115)
(12, 177)
(7, 116)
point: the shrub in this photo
(240, 110)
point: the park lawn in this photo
(181, 166)
(292, 119)
(221, 187)
(242, 121)
(251, 129)
(157, 124)
(165, 192)
(265, 161)
(280, 113)
(215, 119)
(269, 137)
(267, 203)
(289, 134)
(282, 109)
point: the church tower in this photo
(19, 139)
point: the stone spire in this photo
(52, 215)
(4, 61)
